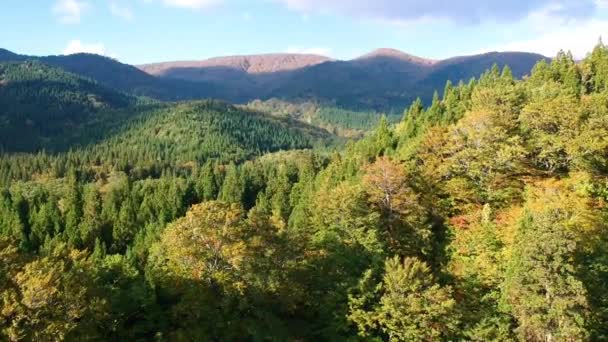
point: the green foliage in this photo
(340, 121)
(480, 217)
(542, 288)
(411, 305)
(41, 103)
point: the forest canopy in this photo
(482, 216)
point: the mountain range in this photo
(382, 80)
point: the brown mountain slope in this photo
(251, 64)
(382, 79)
(396, 54)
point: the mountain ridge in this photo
(252, 64)
(376, 53)
(382, 80)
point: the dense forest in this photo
(480, 217)
(110, 73)
(39, 102)
(338, 121)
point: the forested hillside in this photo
(39, 103)
(46, 108)
(126, 78)
(481, 217)
(153, 139)
(339, 121)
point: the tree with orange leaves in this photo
(386, 183)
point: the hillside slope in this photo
(193, 131)
(39, 102)
(124, 77)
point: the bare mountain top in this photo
(252, 64)
(397, 54)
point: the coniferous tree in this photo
(125, 227)
(407, 305)
(233, 187)
(207, 185)
(91, 224)
(73, 210)
(542, 288)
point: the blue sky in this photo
(141, 31)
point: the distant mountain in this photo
(462, 68)
(254, 64)
(382, 80)
(6, 55)
(123, 77)
(45, 107)
(396, 54)
(242, 78)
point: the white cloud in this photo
(549, 33)
(194, 4)
(579, 39)
(121, 11)
(309, 51)
(77, 46)
(466, 11)
(69, 11)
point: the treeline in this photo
(480, 217)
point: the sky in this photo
(145, 31)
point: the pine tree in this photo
(233, 187)
(125, 227)
(595, 69)
(382, 138)
(46, 224)
(278, 190)
(408, 305)
(434, 113)
(91, 224)
(542, 288)
(73, 210)
(412, 119)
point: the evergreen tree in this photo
(125, 227)
(47, 223)
(73, 210)
(406, 306)
(233, 187)
(91, 225)
(207, 186)
(542, 288)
